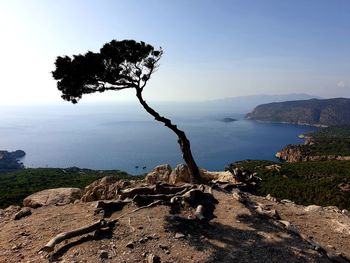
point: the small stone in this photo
(331, 247)
(287, 201)
(271, 198)
(143, 240)
(163, 246)
(313, 208)
(22, 213)
(14, 247)
(167, 252)
(153, 258)
(130, 245)
(179, 235)
(345, 212)
(140, 227)
(24, 234)
(103, 254)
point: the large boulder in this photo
(219, 176)
(180, 174)
(105, 188)
(160, 173)
(56, 196)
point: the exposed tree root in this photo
(187, 195)
(76, 232)
(101, 224)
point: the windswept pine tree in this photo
(119, 65)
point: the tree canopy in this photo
(119, 65)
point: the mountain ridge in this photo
(317, 112)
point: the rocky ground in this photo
(246, 228)
(237, 234)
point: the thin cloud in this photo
(342, 84)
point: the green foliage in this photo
(304, 182)
(119, 65)
(334, 140)
(15, 186)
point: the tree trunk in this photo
(182, 139)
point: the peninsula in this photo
(316, 112)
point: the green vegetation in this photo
(341, 131)
(333, 140)
(317, 182)
(15, 186)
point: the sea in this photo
(123, 136)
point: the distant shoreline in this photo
(292, 123)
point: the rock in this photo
(345, 212)
(163, 247)
(143, 240)
(271, 198)
(180, 174)
(103, 254)
(267, 213)
(344, 187)
(286, 201)
(218, 176)
(11, 210)
(130, 244)
(160, 173)
(273, 167)
(179, 235)
(14, 247)
(56, 196)
(105, 188)
(313, 208)
(151, 258)
(22, 213)
(289, 226)
(236, 194)
(199, 213)
(333, 209)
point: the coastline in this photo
(292, 123)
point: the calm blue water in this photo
(123, 136)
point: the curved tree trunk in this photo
(182, 139)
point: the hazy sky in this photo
(213, 49)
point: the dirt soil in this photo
(237, 234)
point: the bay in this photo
(123, 136)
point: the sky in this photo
(212, 49)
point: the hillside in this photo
(316, 112)
(325, 183)
(331, 143)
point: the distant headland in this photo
(316, 112)
(9, 161)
